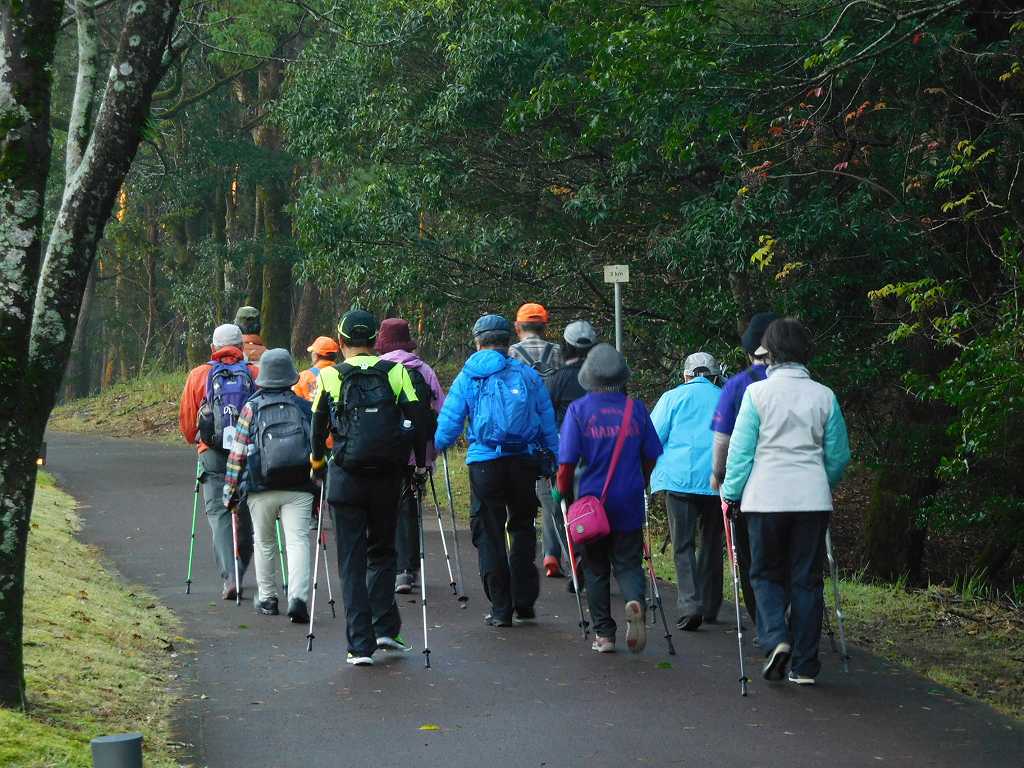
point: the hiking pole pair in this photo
(455, 532)
(584, 624)
(728, 517)
(321, 543)
(192, 536)
(423, 573)
(654, 579)
(440, 527)
(840, 622)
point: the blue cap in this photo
(491, 323)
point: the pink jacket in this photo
(409, 360)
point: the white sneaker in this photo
(796, 677)
(775, 668)
(603, 645)
(359, 661)
(636, 627)
(393, 643)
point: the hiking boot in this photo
(395, 643)
(359, 661)
(403, 582)
(266, 607)
(228, 592)
(552, 568)
(796, 677)
(603, 644)
(298, 613)
(690, 623)
(493, 621)
(636, 627)
(524, 615)
(775, 668)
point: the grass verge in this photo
(98, 654)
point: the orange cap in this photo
(324, 345)
(532, 313)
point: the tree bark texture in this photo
(304, 327)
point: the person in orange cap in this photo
(323, 352)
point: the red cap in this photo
(532, 313)
(324, 345)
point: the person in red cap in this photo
(545, 358)
(395, 344)
(323, 352)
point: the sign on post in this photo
(617, 274)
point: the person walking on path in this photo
(248, 319)
(370, 407)
(395, 344)
(722, 424)
(563, 387)
(510, 422)
(324, 353)
(589, 433)
(545, 357)
(684, 473)
(269, 464)
(227, 360)
(788, 451)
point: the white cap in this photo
(227, 335)
(700, 360)
(580, 334)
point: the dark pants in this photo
(788, 553)
(742, 544)
(698, 571)
(621, 551)
(407, 540)
(365, 509)
(214, 466)
(504, 498)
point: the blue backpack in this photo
(227, 389)
(502, 412)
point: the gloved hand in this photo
(556, 495)
(230, 499)
(732, 509)
(419, 477)
(317, 470)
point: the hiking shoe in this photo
(603, 644)
(228, 592)
(796, 677)
(298, 613)
(552, 568)
(395, 643)
(636, 627)
(266, 607)
(359, 661)
(524, 615)
(493, 621)
(403, 583)
(690, 623)
(775, 668)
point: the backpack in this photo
(542, 366)
(227, 389)
(281, 438)
(502, 413)
(425, 395)
(370, 431)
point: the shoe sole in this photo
(636, 627)
(775, 669)
(605, 649)
(404, 590)
(692, 624)
(395, 647)
(360, 662)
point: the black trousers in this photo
(365, 509)
(743, 564)
(504, 498)
(407, 539)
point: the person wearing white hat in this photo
(683, 472)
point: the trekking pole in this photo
(423, 575)
(654, 578)
(192, 536)
(444, 543)
(327, 576)
(280, 554)
(455, 532)
(316, 571)
(730, 548)
(584, 624)
(238, 556)
(840, 622)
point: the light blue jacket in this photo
(789, 447)
(459, 404)
(681, 419)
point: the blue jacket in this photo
(459, 404)
(681, 419)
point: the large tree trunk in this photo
(38, 317)
(304, 326)
(78, 379)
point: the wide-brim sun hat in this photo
(277, 371)
(394, 334)
(604, 368)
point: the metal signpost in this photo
(617, 274)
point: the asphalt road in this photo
(525, 696)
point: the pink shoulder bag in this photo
(587, 519)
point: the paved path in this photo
(529, 696)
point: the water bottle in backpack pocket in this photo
(281, 435)
(502, 414)
(228, 386)
(370, 432)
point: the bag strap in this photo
(548, 351)
(627, 416)
(527, 357)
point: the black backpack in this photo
(542, 366)
(425, 395)
(281, 436)
(370, 432)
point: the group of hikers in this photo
(750, 460)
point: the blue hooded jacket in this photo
(459, 404)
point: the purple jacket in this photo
(409, 360)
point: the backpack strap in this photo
(527, 357)
(627, 417)
(549, 350)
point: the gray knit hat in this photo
(277, 371)
(604, 368)
(227, 335)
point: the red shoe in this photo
(552, 569)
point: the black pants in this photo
(698, 569)
(623, 552)
(365, 509)
(743, 563)
(504, 498)
(407, 539)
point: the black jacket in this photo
(564, 387)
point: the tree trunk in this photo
(304, 327)
(78, 379)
